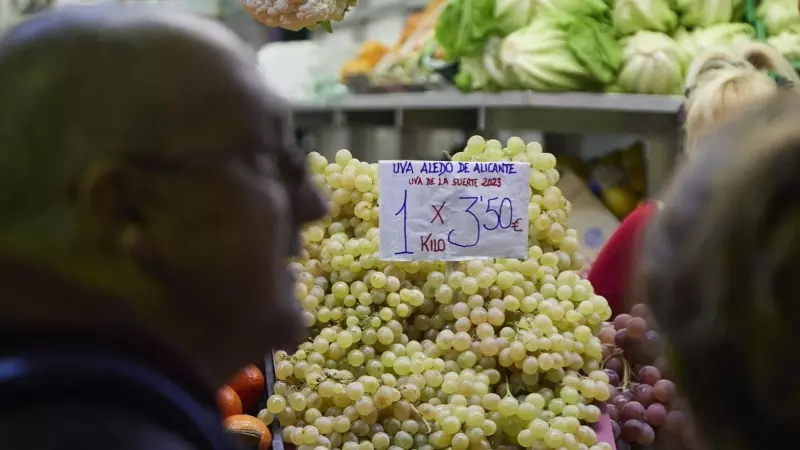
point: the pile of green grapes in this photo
(486, 354)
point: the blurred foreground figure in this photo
(721, 262)
(721, 83)
(149, 199)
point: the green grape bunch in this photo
(482, 354)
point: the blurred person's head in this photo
(143, 159)
(720, 264)
(722, 82)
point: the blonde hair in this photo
(722, 82)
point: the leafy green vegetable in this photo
(653, 63)
(723, 34)
(704, 13)
(561, 52)
(787, 43)
(588, 8)
(594, 46)
(484, 73)
(511, 15)
(471, 75)
(463, 27)
(491, 62)
(779, 16)
(630, 16)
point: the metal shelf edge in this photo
(652, 104)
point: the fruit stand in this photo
(470, 353)
(492, 349)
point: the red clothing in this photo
(610, 272)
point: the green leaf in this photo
(463, 27)
(326, 25)
(578, 8)
(592, 43)
(463, 81)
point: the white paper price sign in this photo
(453, 211)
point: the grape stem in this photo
(416, 411)
(626, 373)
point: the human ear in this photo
(109, 196)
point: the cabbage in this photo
(630, 16)
(590, 8)
(493, 66)
(483, 73)
(511, 15)
(778, 16)
(787, 43)
(653, 63)
(472, 76)
(724, 34)
(560, 52)
(704, 13)
(463, 27)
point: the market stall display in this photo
(364, 63)
(428, 355)
(412, 62)
(633, 46)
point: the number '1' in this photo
(403, 209)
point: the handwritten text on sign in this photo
(451, 211)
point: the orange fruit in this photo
(249, 430)
(249, 383)
(245, 424)
(266, 441)
(228, 402)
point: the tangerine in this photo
(228, 402)
(266, 441)
(245, 424)
(250, 384)
(250, 431)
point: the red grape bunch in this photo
(644, 403)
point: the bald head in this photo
(143, 159)
(84, 83)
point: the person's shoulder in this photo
(86, 424)
(628, 231)
(644, 211)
